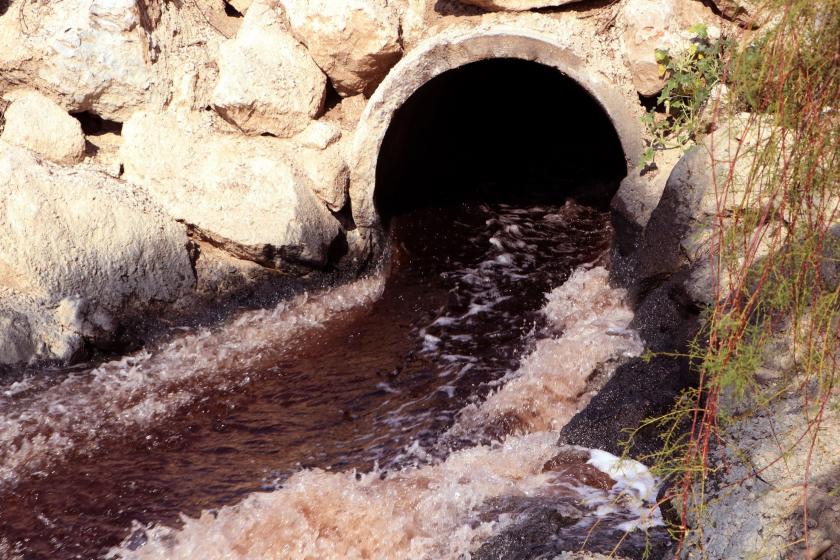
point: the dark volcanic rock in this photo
(666, 318)
(533, 535)
(637, 390)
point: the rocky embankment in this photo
(157, 156)
(770, 466)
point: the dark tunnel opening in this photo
(496, 131)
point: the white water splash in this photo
(434, 511)
(138, 391)
(636, 484)
(550, 386)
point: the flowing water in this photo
(412, 414)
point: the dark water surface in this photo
(459, 308)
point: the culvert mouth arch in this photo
(479, 81)
(498, 130)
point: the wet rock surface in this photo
(539, 534)
(639, 389)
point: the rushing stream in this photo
(407, 415)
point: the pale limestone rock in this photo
(241, 6)
(354, 41)
(78, 248)
(350, 111)
(267, 80)
(694, 202)
(322, 159)
(329, 174)
(244, 194)
(319, 135)
(35, 122)
(87, 55)
(16, 343)
(517, 5)
(641, 190)
(647, 25)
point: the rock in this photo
(541, 527)
(684, 225)
(35, 122)
(741, 11)
(87, 55)
(354, 41)
(16, 343)
(641, 190)
(77, 249)
(246, 195)
(319, 135)
(647, 25)
(517, 5)
(329, 174)
(636, 391)
(666, 318)
(267, 80)
(350, 111)
(240, 6)
(755, 505)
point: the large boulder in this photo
(354, 41)
(698, 197)
(647, 25)
(243, 194)
(517, 5)
(88, 55)
(35, 122)
(80, 252)
(267, 80)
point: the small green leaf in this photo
(700, 30)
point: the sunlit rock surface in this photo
(87, 55)
(79, 234)
(244, 194)
(268, 82)
(354, 41)
(648, 25)
(35, 122)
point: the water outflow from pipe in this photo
(413, 418)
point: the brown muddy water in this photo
(410, 414)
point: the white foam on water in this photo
(434, 511)
(637, 486)
(138, 391)
(9, 552)
(590, 321)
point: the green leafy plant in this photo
(689, 76)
